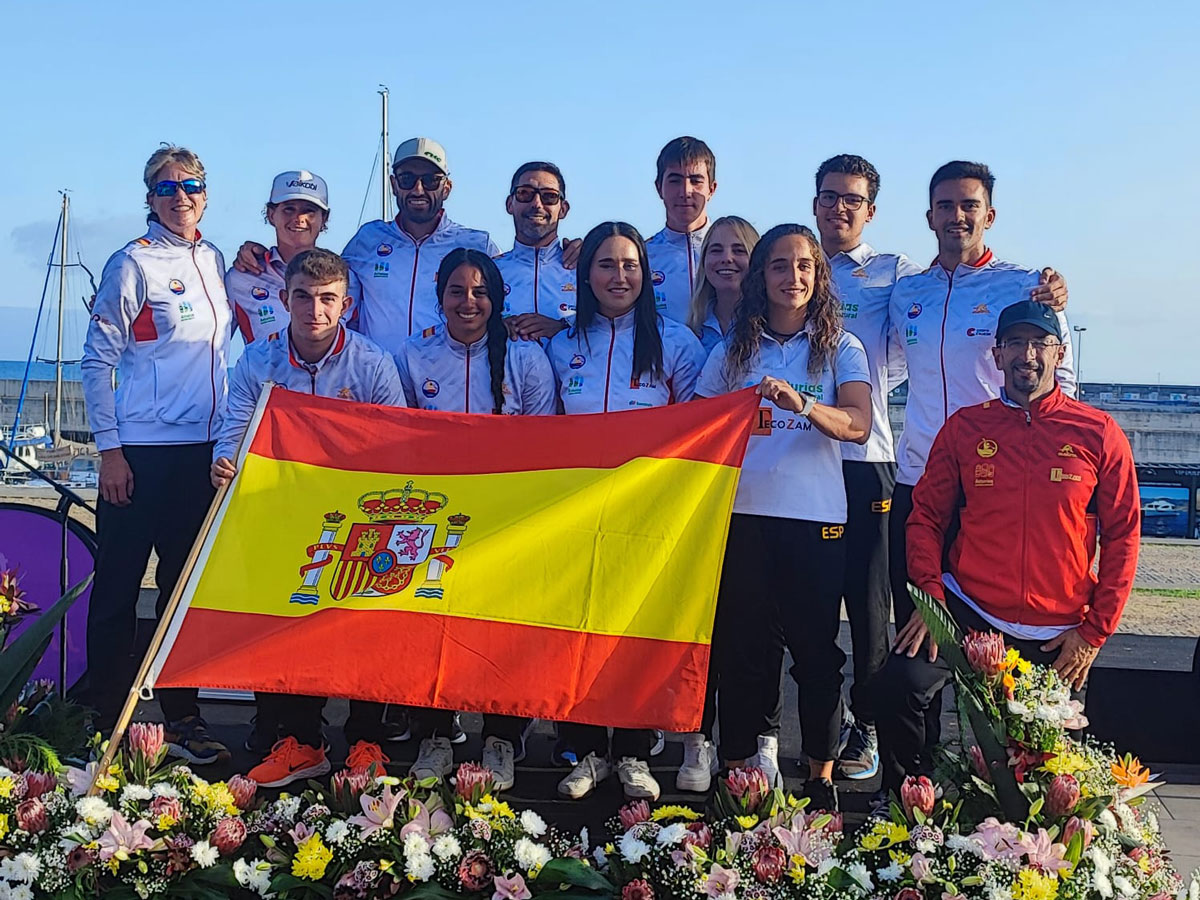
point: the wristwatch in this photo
(809, 402)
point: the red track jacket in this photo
(1029, 489)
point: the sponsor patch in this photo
(978, 332)
(186, 313)
(987, 448)
(910, 334)
(981, 310)
(859, 273)
(568, 287)
(430, 388)
(383, 250)
(915, 310)
(657, 278)
(1067, 450)
(1058, 475)
(881, 506)
(381, 270)
(259, 293)
(175, 286)
(575, 385)
(984, 474)
(832, 532)
(577, 361)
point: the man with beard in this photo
(539, 288)
(1029, 477)
(397, 261)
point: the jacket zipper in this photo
(687, 240)
(612, 340)
(212, 347)
(412, 288)
(468, 397)
(1025, 514)
(537, 259)
(942, 351)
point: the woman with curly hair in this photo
(785, 555)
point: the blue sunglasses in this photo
(168, 188)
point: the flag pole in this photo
(165, 620)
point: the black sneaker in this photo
(563, 754)
(189, 739)
(263, 736)
(859, 759)
(396, 727)
(822, 795)
(457, 735)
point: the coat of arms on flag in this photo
(379, 556)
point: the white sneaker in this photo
(636, 779)
(699, 764)
(498, 755)
(435, 760)
(583, 778)
(767, 759)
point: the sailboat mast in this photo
(385, 188)
(62, 296)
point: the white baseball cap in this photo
(423, 148)
(300, 185)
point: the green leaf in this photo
(577, 873)
(989, 732)
(21, 657)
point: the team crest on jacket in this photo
(915, 310)
(577, 361)
(258, 293)
(987, 448)
(380, 557)
(384, 249)
(430, 388)
(657, 278)
(176, 286)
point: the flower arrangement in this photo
(158, 830)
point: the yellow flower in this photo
(6, 787)
(165, 821)
(311, 859)
(1033, 885)
(674, 812)
(796, 872)
(1066, 763)
(3, 825)
(107, 783)
(747, 822)
(899, 857)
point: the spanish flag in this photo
(563, 567)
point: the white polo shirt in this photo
(438, 372)
(791, 470)
(864, 279)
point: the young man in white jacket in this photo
(315, 355)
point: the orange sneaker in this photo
(363, 755)
(289, 761)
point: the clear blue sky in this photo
(1087, 113)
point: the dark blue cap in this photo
(1029, 312)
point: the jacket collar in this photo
(1040, 407)
(459, 349)
(552, 252)
(443, 224)
(160, 233)
(338, 345)
(980, 263)
(680, 236)
(860, 255)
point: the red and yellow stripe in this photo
(582, 586)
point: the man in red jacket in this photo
(1028, 478)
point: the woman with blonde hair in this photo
(724, 258)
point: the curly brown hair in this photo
(824, 320)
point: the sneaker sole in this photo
(430, 773)
(694, 785)
(399, 738)
(639, 796)
(660, 743)
(178, 750)
(321, 768)
(863, 775)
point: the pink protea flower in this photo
(908, 893)
(634, 813)
(698, 835)
(38, 783)
(917, 793)
(475, 870)
(472, 781)
(1076, 825)
(748, 785)
(243, 790)
(985, 652)
(978, 764)
(146, 741)
(31, 816)
(165, 811)
(768, 862)
(1062, 796)
(80, 857)
(638, 889)
(229, 834)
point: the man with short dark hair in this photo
(539, 288)
(315, 354)
(945, 318)
(1028, 477)
(846, 188)
(686, 180)
(397, 261)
